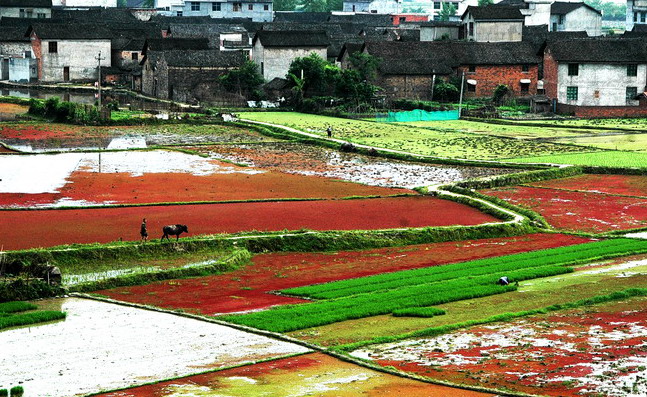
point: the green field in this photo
(633, 124)
(425, 141)
(512, 131)
(14, 314)
(599, 159)
(390, 292)
(630, 142)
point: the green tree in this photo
(352, 87)
(485, 2)
(365, 64)
(122, 3)
(245, 80)
(285, 5)
(148, 4)
(334, 5)
(314, 5)
(319, 74)
(448, 10)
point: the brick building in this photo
(597, 77)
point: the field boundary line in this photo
(289, 339)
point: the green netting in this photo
(416, 115)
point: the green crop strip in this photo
(16, 307)
(392, 292)
(498, 265)
(30, 318)
(419, 312)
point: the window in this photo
(403, 19)
(215, 7)
(525, 68)
(195, 6)
(642, 17)
(560, 19)
(471, 29)
(437, 5)
(237, 7)
(250, 7)
(471, 69)
(42, 15)
(29, 14)
(525, 88)
(571, 93)
(635, 17)
(21, 13)
(554, 26)
(471, 88)
(134, 56)
(178, 13)
(573, 69)
(632, 70)
(266, 7)
(28, 54)
(53, 47)
(631, 93)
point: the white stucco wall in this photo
(78, 55)
(497, 31)
(84, 3)
(14, 12)
(578, 20)
(275, 61)
(594, 87)
(537, 13)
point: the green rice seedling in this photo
(15, 307)
(30, 318)
(419, 312)
(4, 393)
(17, 391)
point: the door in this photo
(66, 73)
(5, 69)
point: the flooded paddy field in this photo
(593, 351)
(104, 225)
(249, 288)
(306, 375)
(311, 160)
(103, 346)
(136, 177)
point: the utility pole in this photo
(98, 58)
(460, 101)
(433, 84)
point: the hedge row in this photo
(25, 289)
(521, 177)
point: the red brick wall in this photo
(408, 18)
(604, 111)
(550, 75)
(488, 77)
(36, 45)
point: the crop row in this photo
(555, 256)
(419, 312)
(293, 317)
(15, 307)
(30, 318)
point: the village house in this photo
(256, 10)
(373, 6)
(574, 17)
(597, 77)
(26, 8)
(493, 23)
(636, 13)
(440, 30)
(190, 76)
(274, 51)
(18, 64)
(67, 52)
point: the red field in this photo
(587, 352)
(306, 375)
(247, 288)
(629, 185)
(581, 211)
(46, 228)
(123, 188)
(37, 131)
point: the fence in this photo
(417, 115)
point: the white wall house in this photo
(492, 24)
(26, 8)
(84, 3)
(636, 13)
(575, 17)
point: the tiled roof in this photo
(494, 12)
(70, 31)
(308, 38)
(599, 50)
(562, 7)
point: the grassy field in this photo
(634, 124)
(443, 143)
(600, 159)
(14, 314)
(630, 142)
(512, 131)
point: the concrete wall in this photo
(360, 6)
(497, 31)
(20, 69)
(78, 55)
(537, 13)
(593, 84)
(14, 12)
(275, 61)
(84, 3)
(257, 14)
(16, 49)
(578, 20)
(124, 59)
(436, 33)
(405, 86)
(155, 82)
(635, 6)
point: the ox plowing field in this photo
(311, 270)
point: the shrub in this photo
(36, 107)
(17, 391)
(4, 393)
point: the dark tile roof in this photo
(441, 56)
(13, 34)
(94, 15)
(70, 31)
(494, 12)
(448, 24)
(350, 48)
(639, 27)
(513, 3)
(302, 17)
(562, 7)
(170, 44)
(199, 58)
(26, 3)
(539, 35)
(362, 19)
(308, 38)
(599, 50)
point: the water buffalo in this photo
(174, 230)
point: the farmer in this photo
(504, 281)
(329, 131)
(143, 231)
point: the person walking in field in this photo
(144, 231)
(329, 131)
